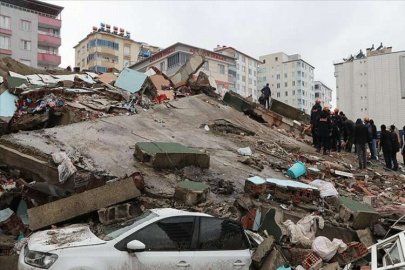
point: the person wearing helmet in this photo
(316, 110)
(324, 129)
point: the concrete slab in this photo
(191, 192)
(168, 155)
(83, 203)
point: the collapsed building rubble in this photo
(142, 141)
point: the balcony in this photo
(48, 39)
(48, 58)
(48, 22)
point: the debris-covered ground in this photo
(99, 150)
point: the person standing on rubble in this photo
(395, 147)
(403, 144)
(324, 130)
(386, 146)
(374, 138)
(370, 135)
(316, 110)
(336, 131)
(267, 94)
(348, 127)
(360, 140)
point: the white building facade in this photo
(373, 85)
(324, 93)
(291, 79)
(244, 74)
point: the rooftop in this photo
(36, 6)
(225, 47)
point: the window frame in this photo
(9, 22)
(9, 42)
(22, 44)
(22, 21)
(129, 49)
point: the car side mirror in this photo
(136, 246)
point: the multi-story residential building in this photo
(106, 48)
(245, 73)
(169, 60)
(324, 93)
(291, 79)
(372, 85)
(30, 32)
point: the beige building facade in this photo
(291, 79)
(244, 74)
(103, 49)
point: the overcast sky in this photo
(320, 31)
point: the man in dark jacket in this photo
(316, 110)
(324, 130)
(267, 93)
(395, 147)
(386, 145)
(374, 154)
(361, 139)
(336, 130)
(348, 127)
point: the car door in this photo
(222, 245)
(167, 245)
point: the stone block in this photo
(262, 251)
(274, 260)
(361, 215)
(371, 200)
(163, 155)
(117, 213)
(191, 193)
(83, 203)
(366, 237)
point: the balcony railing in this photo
(46, 40)
(48, 21)
(48, 34)
(48, 57)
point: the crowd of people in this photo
(333, 131)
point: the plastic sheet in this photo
(327, 249)
(304, 231)
(326, 189)
(66, 169)
(245, 151)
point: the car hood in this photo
(71, 236)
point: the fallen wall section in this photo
(83, 203)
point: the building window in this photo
(293, 93)
(285, 75)
(243, 78)
(254, 82)
(243, 69)
(293, 83)
(278, 85)
(127, 49)
(264, 79)
(250, 81)
(4, 42)
(237, 66)
(173, 61)
(250, 71)
(243, 59)
(82, 62)
(278, 76)
(25, 45)
(254, 73)
(5, 22)
(206, 65)
(286, 93)
(277, 67)
(25, 25)
(162, 66)
(276, 59)
(237, 77)
(292, 64)
(26, 62)
(317, 95)
(278, 94)
(221, 69)
(285, 84)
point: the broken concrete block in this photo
(164, 155)
(118, 213)
(354, 251)
(371, 200)
(361, 215)
(83, 203)
(262, 251)
(191, 192)
(366, 237)
(274, 260)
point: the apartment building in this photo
(244, 74)
(291, 79)
(324, 93)
(30, 32)
(110, 47)
(169, 60)
(372, 84)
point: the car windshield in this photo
(115, 230)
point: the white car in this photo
(166, 239)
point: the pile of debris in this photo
(158, 150)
